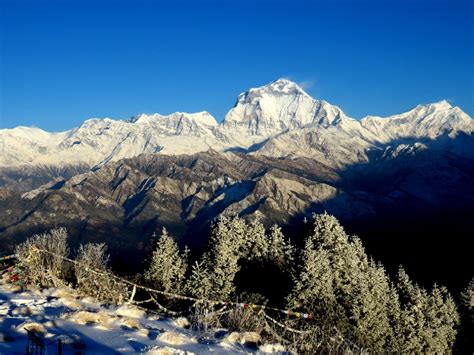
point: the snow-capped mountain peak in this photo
(277, 88)
(441, 105)
(424, 121)
(277, 119)
(281, 86)
(279, 106)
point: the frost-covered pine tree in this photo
(346, 290)
(280, 251)
(442, 320)
(232, 232)
(373, 306)
(256, 243)
(466, 343)
(326, 268)
(228, 243)
(313, 290)
(467, 298)
(414, 300)
(231, 240)
(167, 266)
(328, 232)
(199, 284)
(428, 320)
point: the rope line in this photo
(164, 309)
(8, 257)
(151, 291)
(281, 325)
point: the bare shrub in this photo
(204, 319)
(308, 338)
(93, 275)
(42, 260)
(247, 319)
(244, 320)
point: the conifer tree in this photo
(313, 289)
(167, 267)
(280, 251)
(413, 301)
(256, 243)
(213, 276)
(442, 320)
(467, 298)
(199, 283)
(428, 320)
(465, 341)
(346, 290)
(228, 241)
(231, 240)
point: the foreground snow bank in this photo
(83, 325)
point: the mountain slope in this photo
(136, 196)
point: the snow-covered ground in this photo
(87, 327)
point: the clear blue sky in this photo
(65, 61)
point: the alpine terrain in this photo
(279, 155)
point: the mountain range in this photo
(278, 120)
(278, 155)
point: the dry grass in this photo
(22, 311)
(173, 338)
(245, 338)
(181, 322)
(130, 323)
(143, 332)
(244, 320)
(71, 303)
(89, 318)
(130, 311)
(34, 327)
(203, 321)
(64, 292)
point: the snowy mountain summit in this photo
(424, 121)
(278, 107)
(278, 119)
